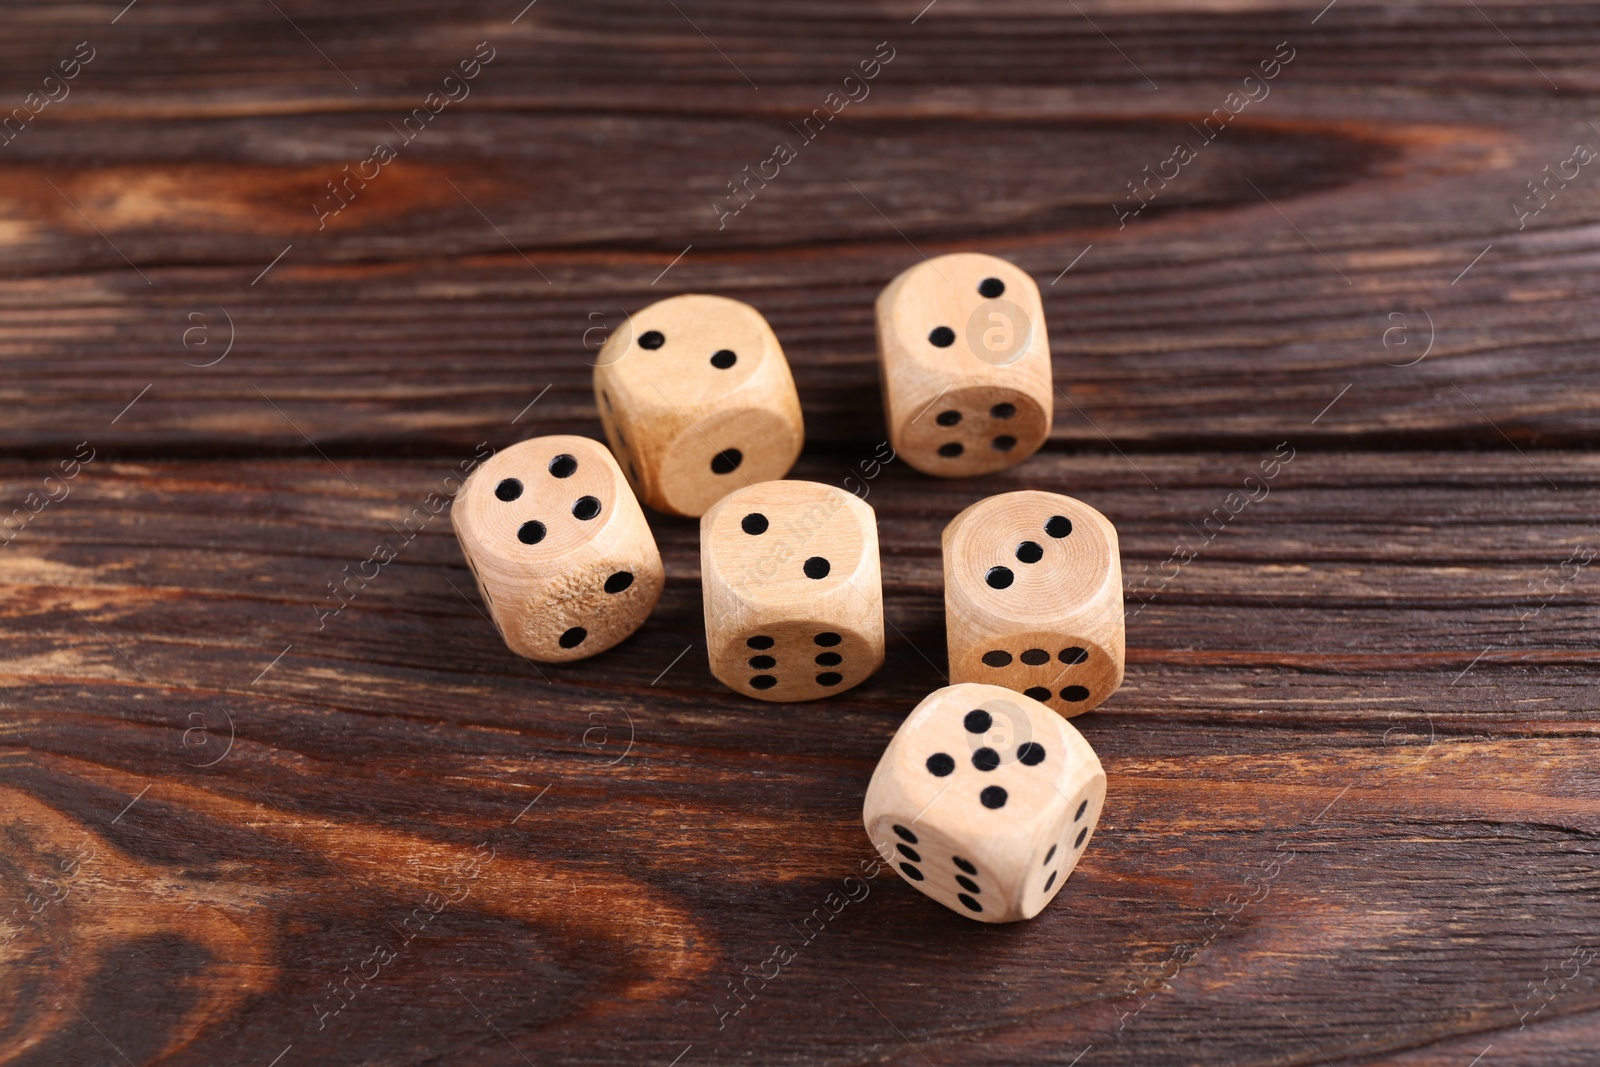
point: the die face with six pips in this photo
(985, 800)
(792, 590)
(559, 547)
(696, 399)
(1033, 599)
(965, 365)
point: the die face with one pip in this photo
(697, 400)
(559, 546)
(1033, 599)
(965, 365)
(793, 594)
(984, 801)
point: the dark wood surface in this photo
(1353, 805)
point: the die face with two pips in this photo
(1033, 599)
(560, 549)
(965, 365)
(792, 590)
(697, 400)
(984, 800)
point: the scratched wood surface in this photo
(1353, 805)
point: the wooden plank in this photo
(1352, 805)
(424, 315)
(1385, 566)
(643, 821)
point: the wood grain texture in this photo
(964, 365)
(996, 830)
(1351, 807)
(424, 315)
(696, 399)
(1033, 599)
(560, 551)
(791, 570)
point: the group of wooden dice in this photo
(986, 795)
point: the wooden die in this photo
(697, 400)
(965, 365)
(1033, 598)
(984, 800)
(559, 546)
(793, 596)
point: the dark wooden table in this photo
(1354, 797)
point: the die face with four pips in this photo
(965, 365)
(792, 590)
(985, 800)
(1033, 599)
(697, 400)
(559, 546)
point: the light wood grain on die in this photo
(697, 400)
(1033, 598)
(965, 365)
(985, 800)
(563, 557)
(792, 590)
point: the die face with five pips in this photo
(697, 400)
(1033, 599)
(792, 590)
(559, 546)
(965, 365)
(985, 800)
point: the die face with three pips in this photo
(560, 549)
(965, 365)
(1033, 599)
(696, 399)
(792, 590)
(985, 800)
